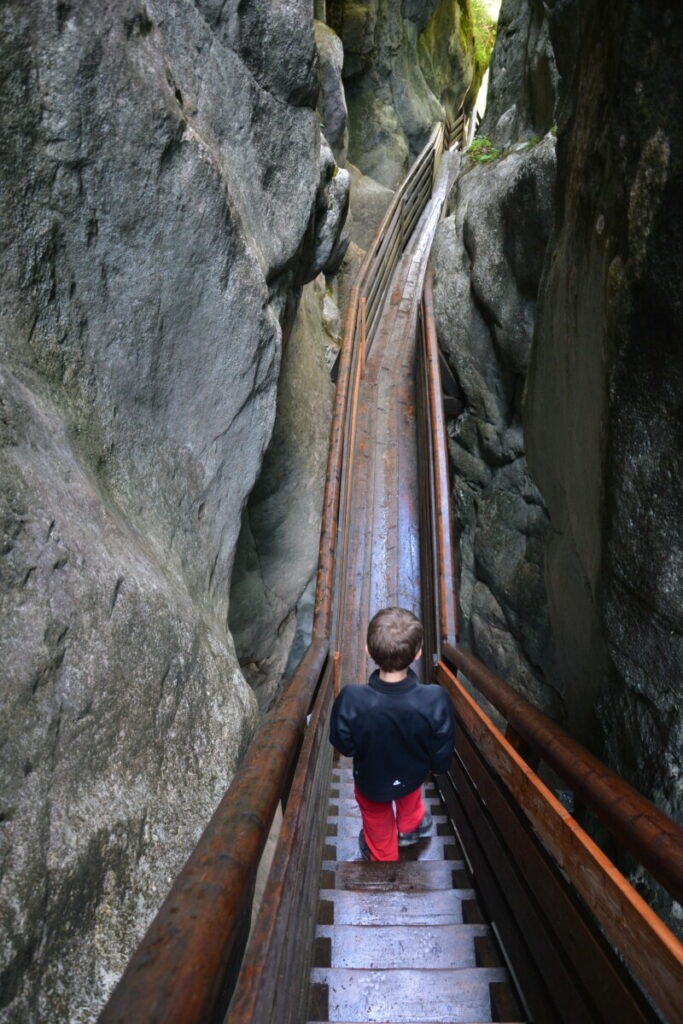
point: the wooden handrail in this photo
(445, 568)
(653, 838)
(653, 953)
(177, 973)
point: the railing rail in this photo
(649, 835)
(532, 860)
(365, 303)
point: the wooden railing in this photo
(192, 960)
(583, 944)
(365, 303)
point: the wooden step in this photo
(343, 906)
(349, 825)
(399, 876)
(386, 946)
(441, 996)
(431, 848)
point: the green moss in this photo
(482, 150)
(484, 30)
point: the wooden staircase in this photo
(404, 941)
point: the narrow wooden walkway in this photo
(403, 941)
(382, 565)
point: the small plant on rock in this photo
(482, 150)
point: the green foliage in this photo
(482, 150)
(484, 30)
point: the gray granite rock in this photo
(332, 97)
(405, 65)
(523, 78)
(165, 195)
(278, 546)
(604, 435)
(368, 203)
(487, 259)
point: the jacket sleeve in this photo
(340, 727)
(443, 735)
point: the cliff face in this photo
(566, 292)
(165, 196)
(405, 64)
(487, 259)
(604, 420)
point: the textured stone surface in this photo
(332, 102)
(278, 547)
(523, 78)
(487, 261)
(165, 195)
(368, 204)
(604, 435)
(404, 65)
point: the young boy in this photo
(397, 731)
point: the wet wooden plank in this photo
(434, 848)
(387, 946)
(652, 952)
(347, 826)
(399, 876)
(444, 995)
(411, 908)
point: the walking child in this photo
(398, 731)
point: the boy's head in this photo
(394, 638)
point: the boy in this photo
(397, 731)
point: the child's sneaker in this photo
(408, 838)
(363, 846)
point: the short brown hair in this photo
(394, 638)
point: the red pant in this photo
(380, 826)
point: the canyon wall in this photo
(604, 420)
(405, 66)
(487, 260)
(559, 304)
(166, 193)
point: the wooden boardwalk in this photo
(382, 566)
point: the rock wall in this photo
(604, 420)
(277, 551)
(575, 565)
(487, 260)
(165, 196)
(404, 65)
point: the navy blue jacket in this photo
(397, 733)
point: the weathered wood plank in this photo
(442, 907)
(387, 946)
(398, 876)
(446, 995)
(613, 993)
(652, 952)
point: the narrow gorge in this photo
(188, 190)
